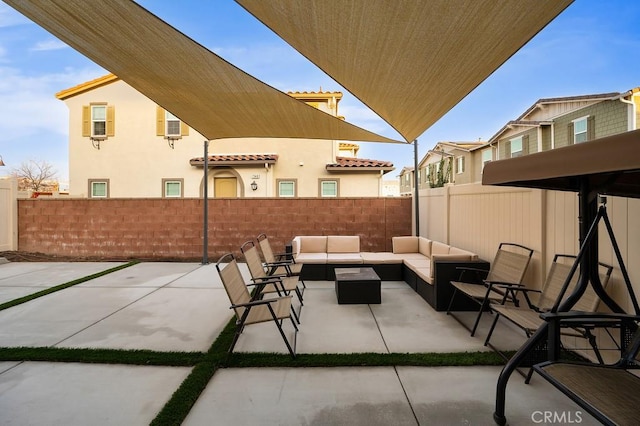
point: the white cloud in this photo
(52, 44)
(29, 103)
(9, 17)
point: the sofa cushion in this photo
(343, 244)
(371, 258)
(425, 275)
(312, 258)
(313, 244)
(424, 246)
(415, 256)
(456, 250)
(405, 244)
(439, 248)
(415, 264)
(354, 258)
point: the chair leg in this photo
(529, 375)
(495, 321)
(236, 336)
(453, 296)
(475, 325)
(284, 337)
(594, 344)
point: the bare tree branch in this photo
(35, 175)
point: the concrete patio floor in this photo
(183, 307)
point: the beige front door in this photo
(225, 187)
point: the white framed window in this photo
(99, 188)
(287, 188)
(460, 164)
(580, 130)
(329, 187)
(98, 121)
(487, 156)
(172, 124)
(172, 188)
(516, 147)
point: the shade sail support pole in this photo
(416, 199)
(205, 213)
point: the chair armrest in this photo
(505, 284)
(258, 302)
(278, 263)
(266, 280)
(574, 318)
(470, 269)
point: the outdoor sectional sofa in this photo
(426, 266)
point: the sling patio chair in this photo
(252, 310)
(279, 264)
(282, 285)
(610, 393)
(508, 268)
(528, 317)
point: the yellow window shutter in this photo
(159, 121)
(184, 129)
(111, 120)
(86, 121)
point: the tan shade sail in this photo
(609, 165)
(206, 92)
(410, 61)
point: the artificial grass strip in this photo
(102, 356)
(244, 360)
(50, 290)
(177, 408)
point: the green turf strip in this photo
(101, 356)
(50, 290)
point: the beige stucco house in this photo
(121, 144)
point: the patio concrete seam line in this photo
(406, 395)
(379, 330)
(105, 317)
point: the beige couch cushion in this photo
(354, 258)
(380, 258)
(425, 274)
(313, 244)
(415, 264)
(456, 250)
(424, 246)
(405, 244)
(318, 258)
(343, 244)
(439, 248)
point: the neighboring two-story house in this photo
(447, 162)
(406, 181)
(121, 144)
(556, 122)
(549, 123)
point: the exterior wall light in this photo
(254, 185)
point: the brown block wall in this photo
(173, 229)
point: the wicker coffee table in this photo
(357, 286)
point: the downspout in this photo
(632, 113)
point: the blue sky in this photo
(592, 47)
